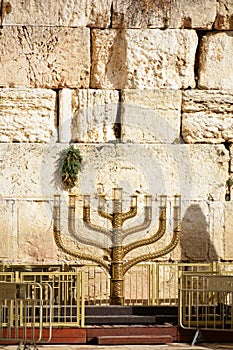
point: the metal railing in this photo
(205, 301)
(153, 283)
(68, 295)
(74, 286)
(25, 312)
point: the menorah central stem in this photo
(117, 280)
(116, 283)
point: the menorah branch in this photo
(116, 252)
(146, 241)
(73, 252)
(133, 210)
(73, 232)
(141, 227)
(76, 253)
(154, 255)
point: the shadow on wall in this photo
(195, 240)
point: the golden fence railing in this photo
(25, 312)
(74, 286)
(205, 301)
(68, 295)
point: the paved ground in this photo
(174, 346)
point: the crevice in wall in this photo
(228, 195)
(0, 13)
(117, 126)
(111, 15)
(90, 59)
(57, 117)
(200, 34)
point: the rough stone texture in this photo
(141, 14)
(163, 14)
(88, 115)
(228, 231)
(207, 116)
(195, 171)
(202, 232)
(26, 232)
(27, 115)
(75, 13)
(8, 236)
(215, 66)
(44, 57)
(35, 237)
(151, 116)
(224, 19)
(143, 58)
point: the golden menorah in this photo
(116, 263)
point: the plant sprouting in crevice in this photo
(71, 166)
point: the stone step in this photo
(96, 310)
(116, 331)
(119, 320)
(97, 315)
(134, 339)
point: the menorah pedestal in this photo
(116, 292)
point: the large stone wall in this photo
(144, 90)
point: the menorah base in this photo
(116, 289)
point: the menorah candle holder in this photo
(116, 263)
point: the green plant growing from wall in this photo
(71, 166)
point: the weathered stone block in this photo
(75, 13)
(163, 14)
(141, 14)
(151, 116)
(27, 115)
(88, 115)
(215, 66)
(35, 237)
(224, 19)
(202, 232)
(228, 247)
(8, 235)
(207, 116)
(195, 171)
(143, 58)
(44, 57)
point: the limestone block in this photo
(202, 232)
(88, 115)
(44, 57)
(35, 236)
(215, 66)
(151, 116)
(143, 58)
(140, 14)
(75, 13)
(207, 116)
(8, 235)
(27, 171)
(163, 14)
(216, 249)
(27, 115)
(228, 231)
(195, 171)
(224, 19)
